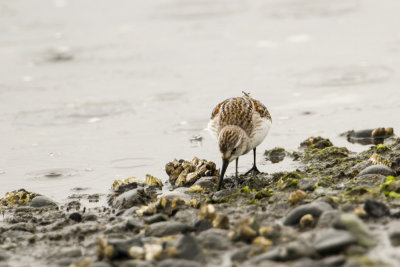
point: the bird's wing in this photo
(261, 109)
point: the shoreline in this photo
(337, 208)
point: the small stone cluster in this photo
(186, 173)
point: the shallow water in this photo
(92, 91)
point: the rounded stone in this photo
(314, 208)
(42, 201)
(377, 169)
(75, 216)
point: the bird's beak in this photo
(225, 164)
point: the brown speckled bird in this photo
(240, 124)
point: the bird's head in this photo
(233, 142)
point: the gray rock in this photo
(27, 227)
(223, 193)
(214, 239)
(189, 248)
(42, 201)
(327, 218)
(100, 264)
(4, 255)
(207, 182)
(394, 233)
(134, 225)
(187, 216)
(130, 198)
(87, 217)
(156, 218)
(17, 236)
(357, 228)
(178, 263)
(135, 263)
(307, 184)
(68, 253)
(331, 241)
(315, 209)
(376, 209)
(166, 228)
(241, 254)
(331, 261)
(288, 252)
(377, 169)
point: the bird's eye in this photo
(234, 150)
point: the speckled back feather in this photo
(239, 111)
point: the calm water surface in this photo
(95, 90)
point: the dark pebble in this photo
(394, 233)
(160, 229)
(75, 216)
(189, 248)
(214, 239)
(178, 263)
(315, 209)
(202, 225)
(376, 209)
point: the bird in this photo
(240, 124)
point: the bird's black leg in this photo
(254, 169)
(236, 176)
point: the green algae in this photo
(332, 152)
(383, 148)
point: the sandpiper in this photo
(240, 124)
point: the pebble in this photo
(100, 264)
(135, 263)
(4, 255)
(307, 221)
(75, 216)
(189, 248)
(376, 209)
(160, 229)
(377, 169)
(327, 219)
(291, 251)
(314, 208)
(331, 241)
(307, 184)
(156, 218)
(214, 239)
(357, 228)
(178, 263)
(130, 198)
(42, 201)
(394, 233)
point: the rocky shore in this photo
(338, 208)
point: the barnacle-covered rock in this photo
(117, 249)
(244, 230)
(167, 206)
(125, 184)
(153, 181)
(297, 196)
(186, 173)
(316, 143)
(380, 160)
(17, 198)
